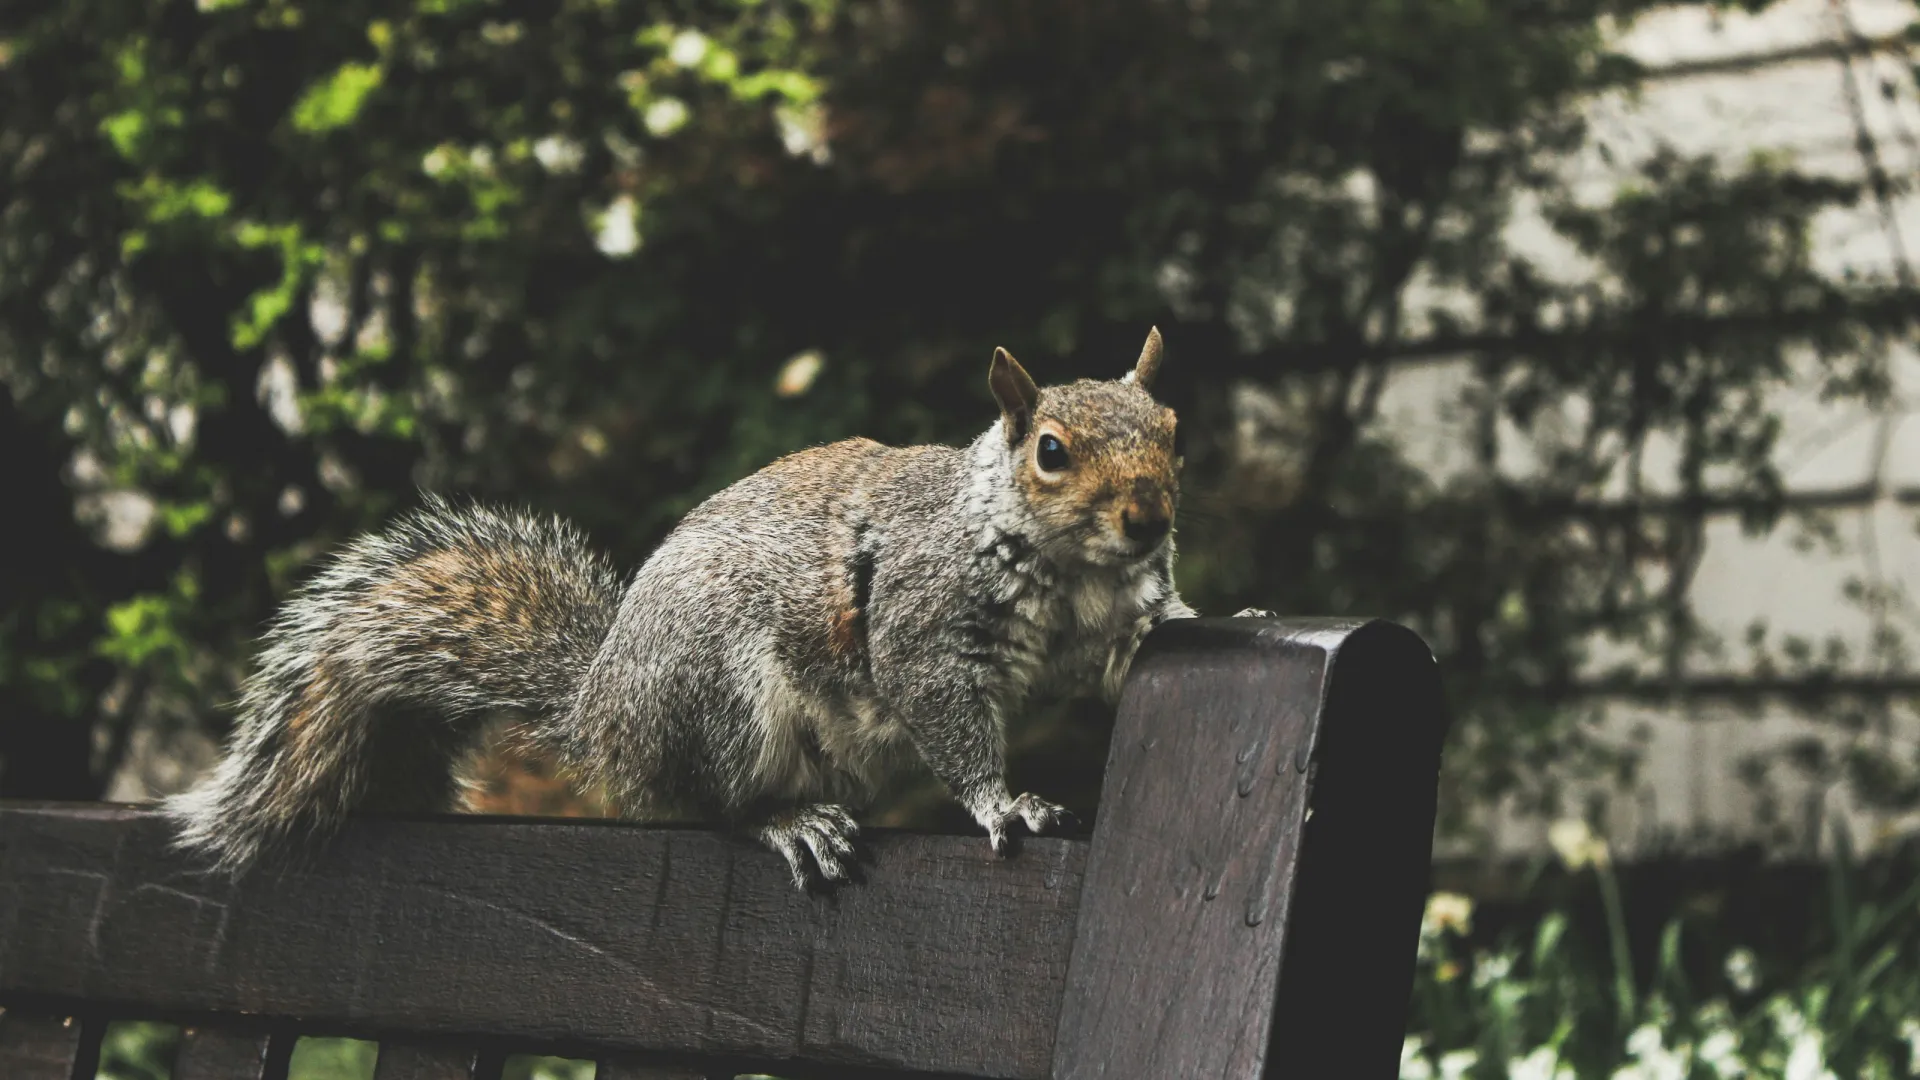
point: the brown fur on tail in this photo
(376, 676)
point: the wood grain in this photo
(213, 1053)
(402, 1059)
(1196, 865)
(596, 934)
(616, 1069)
(1248, 906)
(41, 1047)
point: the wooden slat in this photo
(403, 1060)
(601, 935)
(1197, 855)
(615, 1069)
(45, 1047)
(212, 1053)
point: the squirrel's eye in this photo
(1051, 454)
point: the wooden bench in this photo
(1248, 905)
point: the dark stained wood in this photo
(601, 935)
(86, 1059)
(405, 1060)
(1249, 906)
(39, 1047)
(615, 1069)
(1347, 975)
(213, 1054)
(1196, 867)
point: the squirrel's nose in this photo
(1144, 526)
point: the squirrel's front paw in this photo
(1254, 613)
(814, 837)
(1038, 814)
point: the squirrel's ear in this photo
(1145, 368)
(1013, 388)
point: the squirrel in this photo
(797, 639)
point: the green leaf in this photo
(140, 629)
(182, 518)
(335, 101)
(166, 200)
(125, 130)
(796, 87)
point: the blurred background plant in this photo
(1556, 996)
(140, 1050)
(1455, 340)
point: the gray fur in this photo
(800, 638)
(378, 673)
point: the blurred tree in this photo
(265, 267)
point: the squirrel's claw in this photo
(828, 847)
(782, 841)
(1254, 613)
(1040, 815)
(1036, 813)
(817, 842)
(997, 837)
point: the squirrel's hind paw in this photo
(1254, 613)
(1036, 813)
(817, 842)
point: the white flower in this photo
(619, 233)
(1740, 970)
(665, 116)
(689, 48)
(1788, 1020)
(181, 420)
(1807, 1060)
(1454, 1065)
(1413, 1060)
(437, 160)
(1719, 1052)
(1447, 911)
(1576, 844)
(1644, 1040)
(1651, 1058)
(559, 154)
(803, 131)
(1542, 1064)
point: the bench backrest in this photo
(1248, 905)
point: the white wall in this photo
(1733, 85)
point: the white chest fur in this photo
(1065, 628)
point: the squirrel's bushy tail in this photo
(374, 675)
